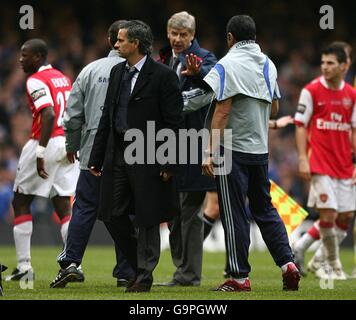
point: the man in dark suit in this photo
(191, 63)
(140, 90)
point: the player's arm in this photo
(301, 141)
(280, 122)
(43, 102)
(353, 136)
(302, 118)
(47, 115)
(353, 141)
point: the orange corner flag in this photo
(290, 211)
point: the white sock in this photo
(329, 240)
(64, 228)
(240, 280)
(304, 242)
(285, 266)
(320, 254)
(22, 237)
(355, 244)
(340, 234)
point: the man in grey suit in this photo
(81, 120)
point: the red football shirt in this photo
(328, 116)
(47, 87)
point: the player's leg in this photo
(342, 198)
(27, 185)
(353, 275)
(342, 224)
(300, 247)
(211, 211)
(63, 207)
(329, 240)
(22, 235)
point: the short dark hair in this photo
(338, 50)
(242, 27)
(138, 30)
(346, 46)
(113, 30)
(37, 46)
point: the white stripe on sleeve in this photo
(39, 92)
(304, 108)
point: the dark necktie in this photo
(125, 92)
(175, 63)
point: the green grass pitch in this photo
(99, 285)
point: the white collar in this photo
(244, 43)
(48, 66)
(325, 84)
(174, 55)
(139, 64)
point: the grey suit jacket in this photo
(85, 106)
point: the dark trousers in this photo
(186, 238)
(84, 214)
(140, 245)
(249, 181)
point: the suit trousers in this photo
(140, 244)
(186, 238)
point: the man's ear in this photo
(192, 35)
(344, 66)
(230, 37)
(38, 57)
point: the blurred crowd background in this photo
(288, 32)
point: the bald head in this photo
(37, 46)
(33, 55)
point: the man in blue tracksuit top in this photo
(246, 90)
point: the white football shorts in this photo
(330, 193)
(63, 175)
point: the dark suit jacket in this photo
(191, 178)
(155, 97)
